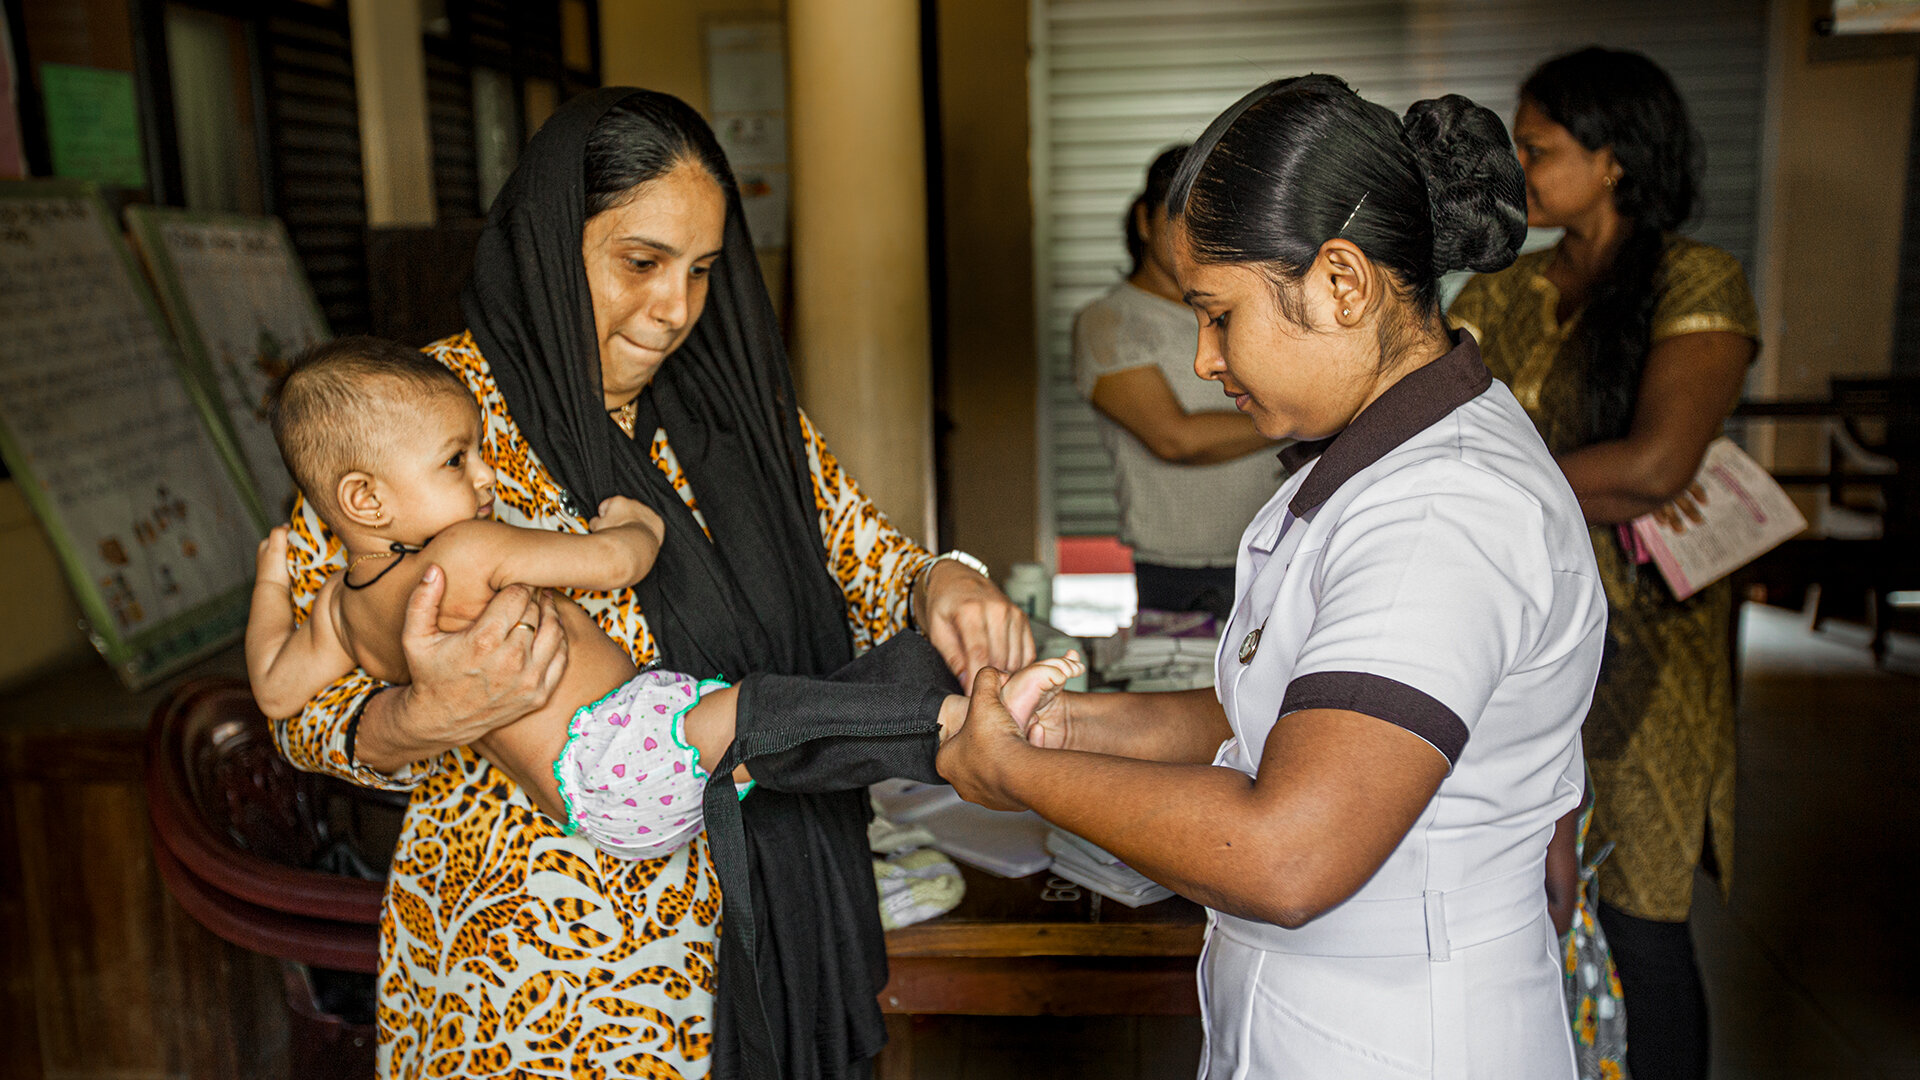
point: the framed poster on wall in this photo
(1876, 16)
(141, 491)
(747, 85)
(241, 306)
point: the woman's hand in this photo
(465, 684)
(1684, 510)
(981, 757)
(970, 621)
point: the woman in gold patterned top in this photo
(622, 342)
(1627, 345)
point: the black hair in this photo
(337, 404)
(642, 139)
(1160, 176)
(1300, 161)
(1624, 102)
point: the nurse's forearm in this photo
(1337, 791)
(1197, 829)
(1185, 726)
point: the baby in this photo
(384, 443)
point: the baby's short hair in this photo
(333, 410)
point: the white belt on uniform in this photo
(1432, 924)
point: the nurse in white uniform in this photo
(1366, 799)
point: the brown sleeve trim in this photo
(1382, 698)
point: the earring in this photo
(1609, 182)
(1344, 312)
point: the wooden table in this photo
(1039, 946)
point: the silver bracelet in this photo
(955, 555)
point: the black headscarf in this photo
(758, 598)
(801, 953)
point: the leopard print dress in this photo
(507, 947)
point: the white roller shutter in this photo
(1115, 81)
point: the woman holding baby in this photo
(621, 343)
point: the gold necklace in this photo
(358, 559)
(397, 550)
(625, 415)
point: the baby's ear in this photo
(359, 499)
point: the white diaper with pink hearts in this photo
(631, 782)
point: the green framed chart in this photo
(143, 495)
(241, 306)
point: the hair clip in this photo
(1356, 210)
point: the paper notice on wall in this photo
(1747, 515)
(93, 126)
(747, 90)
(138, 492)
(763, 198)
(746, 66)
(752, 139)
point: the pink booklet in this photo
(1748, 515)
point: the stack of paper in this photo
(1009, 845)
(1095, 868)
(1148, 660)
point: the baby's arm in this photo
(620, 549)
(288, 666)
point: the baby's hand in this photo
(270, 560)
(618, 510)
(1032, 694)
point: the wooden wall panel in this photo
(105, 975)
(19, 1028)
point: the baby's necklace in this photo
(397, 552)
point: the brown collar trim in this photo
(1418, 401)
(1295, 455)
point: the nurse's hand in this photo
(986, 753)
(970, 621)
(1050, 727)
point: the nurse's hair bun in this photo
(1300, 162)
(1476, 192)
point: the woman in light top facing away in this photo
(1627, 344)
(1189, 470)
(1366, 798)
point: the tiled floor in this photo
(1813, 971)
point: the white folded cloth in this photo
(916, 882)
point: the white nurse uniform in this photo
(1431, 568)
